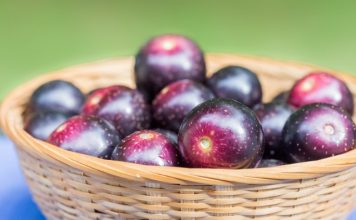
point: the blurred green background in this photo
(38, 36)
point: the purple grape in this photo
(166, 59)
(281, 97)
(221, 133)
(236, 83)
(176, 100)
(270, 163)
(318, 131)
(273, 117)
(87, 135)
(42, 124)
(172, 136)
(320, 87)
(126, 108)
(147, 147)
(57, 96)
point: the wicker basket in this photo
(68, 185)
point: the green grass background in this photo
(38, 36)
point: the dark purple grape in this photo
(318, 131)
(166, 59)
(57, 96)
(42, 124)
(321, 87)
(273, 117)
(221, 133)
(236, 83)
(281, 97)
(270, 163)
(172, 136)
(147, 147)
(87, 135)
(176, 100)
(126, 108)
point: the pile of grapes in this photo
(177, 116)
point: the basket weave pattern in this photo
(68, 185)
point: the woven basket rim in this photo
(11, 123)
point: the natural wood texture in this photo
(68, 185)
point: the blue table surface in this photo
(15, 199)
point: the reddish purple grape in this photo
(236, 83)
(166, 59)
(270, 163)
(126, 108)
(57, 96)
(87, 135)
(273, 117)
(176, 100)
(42, 124)
(149, 148)
(221, 133)
(318, 131)
(320, 87)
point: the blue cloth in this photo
(15, 199)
